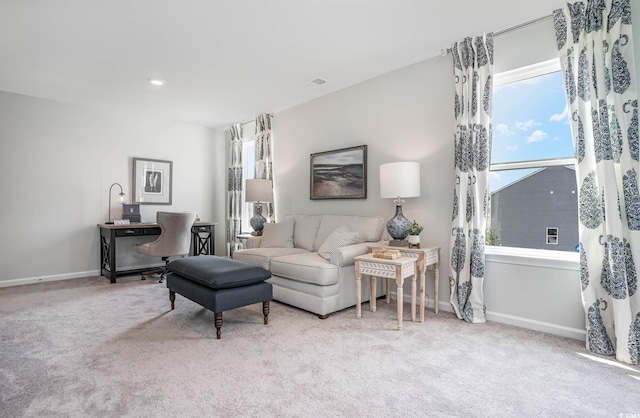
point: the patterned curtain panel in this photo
(234, 185)
(264, 157)
(596, 53)
(473, 70)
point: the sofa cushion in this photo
(262, 256)
(217, 272)
(294, 287)
(369, 228)
(340, 237)
(306, 267)
(305, 230)
(278, 235)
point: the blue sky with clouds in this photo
(529, 123)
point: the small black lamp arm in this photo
(121, 198)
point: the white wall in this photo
(57, 162)
(401, 116)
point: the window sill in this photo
(536, 258)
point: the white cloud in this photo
(512, 148)
(495, 176)
(525, 126)
(503, 129)
(560, 117)
(537, 136)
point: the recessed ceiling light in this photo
(156, 81)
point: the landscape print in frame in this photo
(339, 174)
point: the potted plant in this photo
(414, 230)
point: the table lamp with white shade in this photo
(259, 191)
(397, 181)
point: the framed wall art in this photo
(339, 174)
(152, 181)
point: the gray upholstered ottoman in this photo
(219, 284)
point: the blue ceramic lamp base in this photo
(257, 222)
(396, 227)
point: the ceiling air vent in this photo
(316, 82)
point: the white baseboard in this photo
(518, 321)
(532, 324)
(51, 278)
(560, 330)
(66, 276)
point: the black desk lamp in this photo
(122, 198)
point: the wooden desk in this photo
(426, 256)
(399, 269)
(202, 242)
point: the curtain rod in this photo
(445, 51)
(253, 120)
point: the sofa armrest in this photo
(252, 242)
(344, 256)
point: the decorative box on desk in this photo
(131, 212)
(426, 256)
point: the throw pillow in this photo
(340, 237)
(277, 235)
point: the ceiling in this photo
(226, 61)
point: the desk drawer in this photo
(127, 232)
(201, 228)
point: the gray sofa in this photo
(311, 259)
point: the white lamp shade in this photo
(400, 180)
(259, 190)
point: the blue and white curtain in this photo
(596, 52)
(473, 72)
(264, 158)
(234, 185)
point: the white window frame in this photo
(248, 172)
(527, 256)
(519, 74)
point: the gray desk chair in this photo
(174, 239)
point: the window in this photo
(248, 171)
(532, 172)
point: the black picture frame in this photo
(339, 174)
(152, 182)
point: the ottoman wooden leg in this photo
(218, 316)
(265, 311)
(172, 298)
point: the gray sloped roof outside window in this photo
(523, 210)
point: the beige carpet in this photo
(86, 347)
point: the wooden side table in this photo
(426, 256)
(243, 237)
(398, 269)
